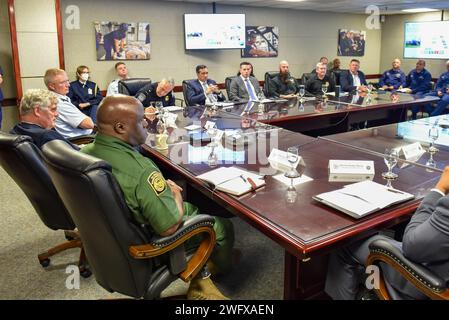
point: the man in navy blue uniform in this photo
(441, 91)
(394, 78)
(418, 83)
(203, 90)
(38, 113)
(353, 79)
(85, 94)
(158, 91)
(114, 42)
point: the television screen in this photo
(426, 40)
(214, 31)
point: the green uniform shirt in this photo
(145, 189)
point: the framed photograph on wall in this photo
(351, 42)
(261, 42)
(122, 40)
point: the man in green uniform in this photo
(152, 199)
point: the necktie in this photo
(209, 96)
(252, 95)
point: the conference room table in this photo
(316, 116)
(377, 139)
(306, 229)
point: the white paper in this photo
(296, 181)
(173, 108)
(193, 127)
(209, 124)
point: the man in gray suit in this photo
(245, 87)
(425, 241)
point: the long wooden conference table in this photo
(307, 230)
(317, 117)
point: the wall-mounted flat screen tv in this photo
(214, 31)
(426, 40)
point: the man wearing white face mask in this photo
(85, 94)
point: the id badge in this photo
(89, 91)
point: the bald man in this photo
(394, 78)
(283, 85)
(153, 201)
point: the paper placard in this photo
(356, 167)
(279, 161)
(411, 152)
(193, 127)
(209, 124)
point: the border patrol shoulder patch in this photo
(157, 182)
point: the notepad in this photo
(173, 108)
(362, 198)
(233, 180)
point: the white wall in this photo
(393, 39)
(305, 36)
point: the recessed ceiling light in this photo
(416, 10)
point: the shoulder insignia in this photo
(157, 182)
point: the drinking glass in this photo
(391, 159)
(302, 92)
(324, 88)
(433, 135)
(292, 157)
(212, 158)
(212, 132)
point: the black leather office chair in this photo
(422, 278)
(123, 255)
(130, 87)
(305, 77)
(336, 74)
(185, 84)
(22, 160)
(267, 81)
(228, 81)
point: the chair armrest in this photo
(425, 280)
(84, 139)
(200, 224)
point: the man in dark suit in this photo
(203, 90)
(245, 87)
(353, 79)
(425, 241)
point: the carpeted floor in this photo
(22, 236)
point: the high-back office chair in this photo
(422, 278)
(123, 255)
(131, 86)
(305, 77)
(22, 160)
(336, 74)
(185, 85)
(267, 78)
(228, 81)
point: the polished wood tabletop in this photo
(305, 226)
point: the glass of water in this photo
(302, 92)
(324, 88)
(391, 159)
(433, 136)
(292, 157)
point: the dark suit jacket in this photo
(347, 83)
(238, 92)
(195, 92)
(426, 242)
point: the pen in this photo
(395, 191)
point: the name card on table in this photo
(278, 160)
(351, 170)
(410, 152)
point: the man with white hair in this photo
(394, 78)
(158, 91)
(71, 122)
(315, 84)
(441, 91)
(283, 85)
(38, 112)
